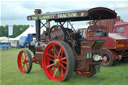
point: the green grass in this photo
(10, 75)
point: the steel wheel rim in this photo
(108, 59)
(23, 62)
(55, 61)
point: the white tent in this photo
(31, 30)
(4, 39)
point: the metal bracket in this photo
(43, 25)
(68, 23)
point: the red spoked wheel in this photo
(24, 61)
(107, 59)
(91, 73)
(58, 61)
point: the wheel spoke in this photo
(63, 58)
(55, 73)
(25, 56)
(22, 58)
(25, 61)
(55, 51)
(59, 51)
(50, 59)
(50, 65)
(59, 71)
(22, 61)
(23, 67)
(64, 62)
(54, 68)
(62, 52)
(27, 66)
(48, 54)
(61, 65)
(62, 71)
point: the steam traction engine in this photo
(60, 50)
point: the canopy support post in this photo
(37, 23)
(38, 30)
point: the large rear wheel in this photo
(58, 61)
(24, 61)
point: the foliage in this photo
(17, 30)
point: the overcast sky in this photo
(16, 11)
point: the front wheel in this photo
(24, 61)
(58, 61)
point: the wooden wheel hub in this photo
(56, 61)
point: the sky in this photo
(16, 11)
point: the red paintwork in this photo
(34, 60)
(108, 23)
(109, 42)
(114, 37)
(105, 62)
(52, 70)
(121, 24)
(22, 62)
(87, 74)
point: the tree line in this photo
(17, 30)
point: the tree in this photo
(17, 30)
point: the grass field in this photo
(10, 75)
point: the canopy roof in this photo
(76, 15)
